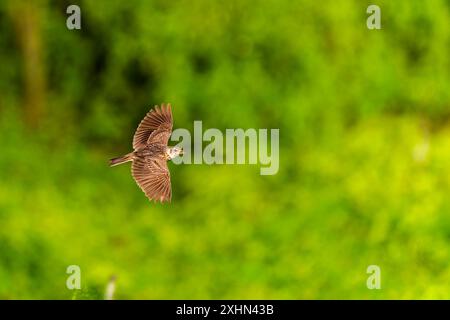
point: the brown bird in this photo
(151, 153)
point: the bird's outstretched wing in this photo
(153, 177)
(156, 127)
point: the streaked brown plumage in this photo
(151, 153)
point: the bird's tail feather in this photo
(116, 161)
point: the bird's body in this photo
(151, 154)
(153, 151)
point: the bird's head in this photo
(173, 152)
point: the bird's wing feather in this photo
(153, 177)
(160, 135)
(156, 127)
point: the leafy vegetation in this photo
(364, 149)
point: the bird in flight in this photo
(151, 153)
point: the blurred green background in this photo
(364, 119)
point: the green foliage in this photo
(364, 134)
